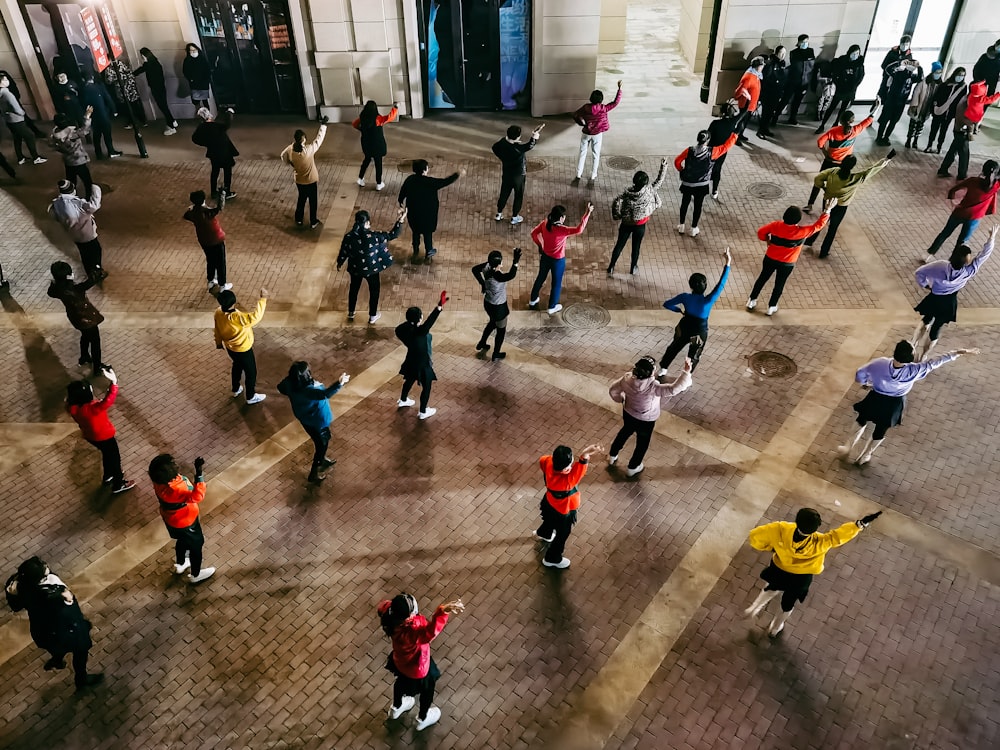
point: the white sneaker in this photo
(662, 373)
(751, 303)
(408, 402)
(515, 220)
(431, 411)
(695, 231)
(772, 310)
(178, 569)
(380, 186)
(170, 131)
(406, 704)
(680, 229)
(433, 715)
(612, 460)
(39, 160)
(373, 318)
(929, 258)
(543, 539)
(563, 563)
(226, 287)
(533, 302)
(204, 575)
(361, 181)
(637, 470)
(238, 391)
(554, 310)
(257, 398)
(715, 195)
(499, 216)
(843, 450)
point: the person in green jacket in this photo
(842, 183)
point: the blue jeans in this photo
(968, 227)
(546, 265)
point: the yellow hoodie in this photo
(234, 330)
(800, 557)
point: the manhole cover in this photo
(623, 162)
(586, 315)
(772, 365)
(767, 191)
(536, 165)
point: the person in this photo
(947, 97)
(77, 217)
(695, 306)
(91, 414)
(842, 183)
(13, 89)
(80, 311)
(211, 237)
(301, 156)
(747, 94)
(798, 553)
(561, 499)
(179, 500)
(696, 164)
(550, 238)
(367, 254)
(102, 108)
(68, 140)
(825, 88)
(14, 115)
(198, 74)
(945, 279)
(593, 117)
(969, 115)
(896, 54)
(419, 194)
(493, 283)
(55, 620)
(900, 78)
(772, 91)
(410, 660)
(888, 381)
(513, 169)
(310, 406)
(731, 121)
(642, 396)
(921, 104)
(122, 86)
(784, 245)
(837, 144)
(66, 98)
(979, 201)
(213, 134)
(987, 68)
(234, 333)
(633, 208)
(847, 72)
(417, 367)
(373, 145)
(155, 79)
(802, 61)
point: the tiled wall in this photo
(978, 27)
(565, 42)
(695, 28)
(612, 39)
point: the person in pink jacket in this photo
(593, 116)
(642, 396)
(550, 237)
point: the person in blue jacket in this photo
(692, 330)
(310, 406)
(95, 95)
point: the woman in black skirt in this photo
(370, 123)
(417, 367)
(493, 282)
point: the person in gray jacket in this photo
(13, 115)
(493, 282)
(67, 139)
(633, 208)
(77, 216)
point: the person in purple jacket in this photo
(696, 305)
(888, 380)
(594, 119)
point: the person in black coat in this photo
(54, 618)
(800, 75)
(730, 121)
(198, 74)
(848, 71)
(373, 145)
(987, 68)
(417, 367)
(513, 168)
(366, 254)
(420, 196)
(157, 87)
(772, 91)
(96, 96)
(66, 98)
(213, 134)
(900, 78)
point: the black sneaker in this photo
(123, 487)
(482, 346)
(575, 182)
(499, 355)
(89, 680)
(432, 252)
(328, 462)
(54, 663)
(229, 195)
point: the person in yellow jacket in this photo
(799, 552)
(234, 333)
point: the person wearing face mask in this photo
(968, 116)
(66, 98)
(102, 108)
(900, 52)
(14, 116)
(802, 61)
(561, 499)
(153, 70)
(198, 74)
(944, 107)
(12, 87)
(987, 68)
(695, 165)
(897, 86)
(921, 103)
(847, 71)
(772, 90)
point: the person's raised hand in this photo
(199, 466)
(619, 83)
(688, 365)
(968, 351)
(345, 379)
(994, 230)
(663, 160)
(538, 129)
(110, 374)
(517, 255)
(728, 255)
(830, 205)
(323, 120)
(263, 293)
(444, 298)
(88, 111)
(454, 607)
(864, 522)
(590, 208)
(591, 450)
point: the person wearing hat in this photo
(77, 217)
(366, 254)
(561, 499)
(179, 500)
(234, 333)
(799, 553)
(82, 314)
(921, 104)
(68, 140)
(417, 367)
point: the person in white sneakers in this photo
(696, 164)
(417, 367)
(513, 168)
(550, 239)
(301, 156)
(234, 333)
(410, 659)
(633, 208)
(561, 499)
(799, 552)
(179, 499)
(373, 145)
(642, 397)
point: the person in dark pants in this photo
(747, 95)
(12, 87)
(696, 306)
(513, 169)
(417, 367)
(213, 134)
(696, 164)
(772, 91)
(157, 82)
(944, 107)
(969, 116)
(234, 333)
(373, 144)
(366, 254)
(633, 208)
(900, 78)
(802, 61)
(847, 72)
(979, 201)
(493, 281)
(198, 74)
(550, 237)
(68, 140)
(561, 500)
(102, 108)
(6, 167)
(77, 217)
(301, 156)
(179, 499)
(310, 406)
(410, 661)
(82, 314)
(54, 617)
(987, 68)
(837, 144)
(731, 120)
(66, 98)
(211, 237)
(121, 85)
(91, 414)
(419, 195)
(17, 120)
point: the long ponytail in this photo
(557, 214)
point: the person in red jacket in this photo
(561, 499)
(593, 116)
(968, 116)
(784, 245)
(211, 237)
(550, 239)
(91, 414)
(980, 200)
(410, 660)
(837, 144)
(747, 93)
(179, 510)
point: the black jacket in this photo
(214, 136)
(81, 311)
(512, 156)
(417, 340)
(721, 128)
(800, 69)
(847, 74)
(367, 252)
(154, 75)
(899, 81)
(96, 95)
(197, 72)
(55, 626)
(775, 78)
(420, 195)
(987, 69)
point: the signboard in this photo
(95, 39)
(112, 31)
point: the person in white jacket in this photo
(642, 396)
(301, 156)
(76, 214)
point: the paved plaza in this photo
(641, 643)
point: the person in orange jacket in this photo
(784, 245)
(747, 93)
(561, 499)
(179, 501)
(837, 144)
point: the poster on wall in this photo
(515, 53)
(95, 39)
(109, 26)
(439, 29)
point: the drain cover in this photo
(772, 365)
(586, 315)
(536, 165)
(767, 191)
(623, 162)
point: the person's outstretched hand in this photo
(590, 208)
(517, 254)
(591, 450)
(110, 375)
(444, 298)
(728, 255)
(688, 365)
(345, 379)
(994, 230)
(454, 607)
(199, 466)
(619, 84)
(323, 120)
(968, 351)
(864, 522)
(830, 205)
(263, 293)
